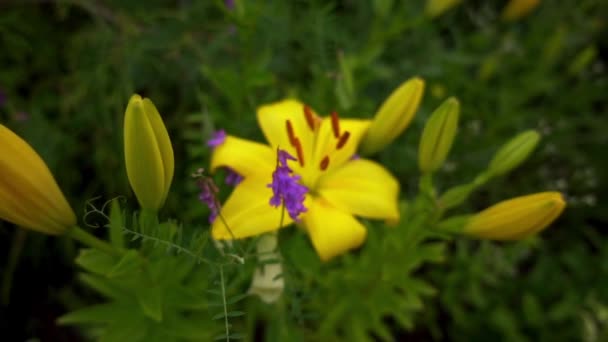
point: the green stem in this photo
(90, 240)
(13, 260)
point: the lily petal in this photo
(272, 119)
(332, 230)
(247, 211)
(245, 157)
(326, 144)
(363, 188)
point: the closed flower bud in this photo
(148, 153)
(394, 115)
(517, 9)
(516, 218)
(513, 153)
(435, 8)
(267, 282)
(456, 195)
(29, 195)
(438, 136)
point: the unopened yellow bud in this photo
(394, 115)
(517, 9)
(513, 153)
(438, 136)
(148, 153)
(435, 8)
(516, 218)
(29, 195)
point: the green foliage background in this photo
(69, 67)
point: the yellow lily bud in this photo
(29, 195)
(516, 218)
(513, 153)
(438, 136)
(148, 153)
(517, 9)
(394, 115)
(435, 8)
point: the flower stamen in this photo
(290, 133)
(343, 139)
(324, 163)
(310, 120)
(298, 146)
(335, 124)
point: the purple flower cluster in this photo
(286, 188)
(217, 139)
(208, 193)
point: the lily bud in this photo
(394, 115)
(267, 283)
(148, 153)
(29, 195)
(516, 218)
(513, 153)
(517, 9)
(438, 136)
(435, 8)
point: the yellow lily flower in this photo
(339, 186)
(516, 218)
(29, 195)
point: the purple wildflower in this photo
(232, 177)
(286, 188)
(355, 157)
(229, 4)
(217, 139)
(208, 194)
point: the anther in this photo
(324, 163)
(310, 120)
(290, 133)
(335, 124)
(298, 146)
(343, 140)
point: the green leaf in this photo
(132, 329)
(101, 313)
(149, 297)
(130, 263)
(228, 314)
(117, 223)
(105, 287)
(95, 261)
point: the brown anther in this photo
(343, 140)
(298, 146)
(310, 118)
(335, 124)
(290, 133)
(324, 163)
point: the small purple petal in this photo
(232, 178)
(355, 157)
(217, 139)
(229, 4)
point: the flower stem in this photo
(90, 240)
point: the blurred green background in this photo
(69, 68)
